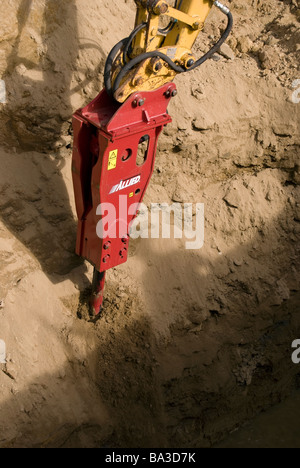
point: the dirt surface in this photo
(277, 427)
(191, 344)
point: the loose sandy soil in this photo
(191, 344)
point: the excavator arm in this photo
(110, 178)
(154, 54)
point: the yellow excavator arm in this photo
(156, 51)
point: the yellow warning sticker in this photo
(112, 160)
(131, 195)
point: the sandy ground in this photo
(191, 344)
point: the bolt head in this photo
(190, 63)
(164, 8)
(160, 9)
(123, 253)
(174, 93)
(138, 81)
(141, 102)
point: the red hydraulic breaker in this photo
(110, 177)
(115, 136)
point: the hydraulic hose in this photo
(221, 41)
(130, 39)
(125, 44)
(109, 63)
(141, 58)
(177, 68)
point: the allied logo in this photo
(125, 184)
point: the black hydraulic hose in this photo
(125, 44)
(130, 39)
(217, 46)
(109, 63)
(177, 68)
(141, 58)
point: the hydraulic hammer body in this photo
(110, 174)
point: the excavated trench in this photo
(192, 344)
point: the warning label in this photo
(112, 160)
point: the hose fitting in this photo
(222, 7)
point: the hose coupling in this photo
(222, 7)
